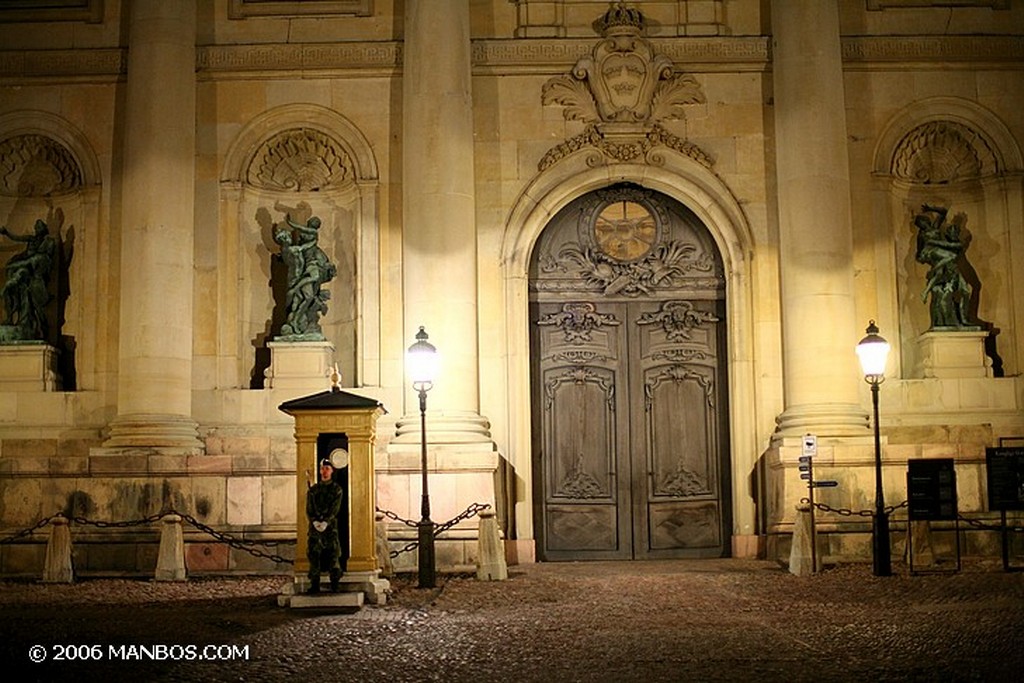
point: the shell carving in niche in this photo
(37, 166)
(942, 152)
(299, 160)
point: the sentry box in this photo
(342, 427)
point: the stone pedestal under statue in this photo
(299, 365)
(28, 366)
(953, 354)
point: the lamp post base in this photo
(882, 556)
(427, 570)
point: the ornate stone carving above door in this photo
(623, 243)
(623, 90)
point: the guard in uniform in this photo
(323, 503)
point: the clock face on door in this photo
(625, 230)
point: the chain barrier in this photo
(847, 512)
(244, 545)
(472, 510)
(978, 524)
(27, 532)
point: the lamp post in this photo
(421, 361)
(873, 351)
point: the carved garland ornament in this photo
(683, 482)
(677, 319)
(578, 321)
(662, 267)
(579, 484)
(299, 160)
(625, 88)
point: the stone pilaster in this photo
(154, 404)
(821, 375)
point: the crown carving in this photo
(620, 19)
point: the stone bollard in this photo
(380, 528)
(919, 541)
(57, 568)
(490, 550)
(170, 561)
(801, 555)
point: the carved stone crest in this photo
(623, 89)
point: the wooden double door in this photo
(629, 398)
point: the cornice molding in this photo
(534, 55)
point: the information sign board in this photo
(931, 489)
(1005, 478)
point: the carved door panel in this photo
(630, 458)
(629, 430)
(583, 446)
(680, 494)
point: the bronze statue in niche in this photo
(26, 289)
(941, 245)
(308, 270)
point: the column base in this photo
(28, 366)
(444, 427)
(153, 432)
(824, 419)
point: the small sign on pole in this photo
(810, 445)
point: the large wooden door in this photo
(630, 459)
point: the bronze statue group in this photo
(941, 245)
(26, 289)
(308, 270)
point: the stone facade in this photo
(162, 140)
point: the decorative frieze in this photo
(924, 49)
(63, 63)
(291, 57)
(548, 55)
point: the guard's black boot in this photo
(314, 586)
(335, 577)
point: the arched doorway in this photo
(628, 381)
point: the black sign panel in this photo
(1005, 478)
(931, 489)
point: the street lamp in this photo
(421, 362)
(873, 352)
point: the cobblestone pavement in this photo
(718, 620)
